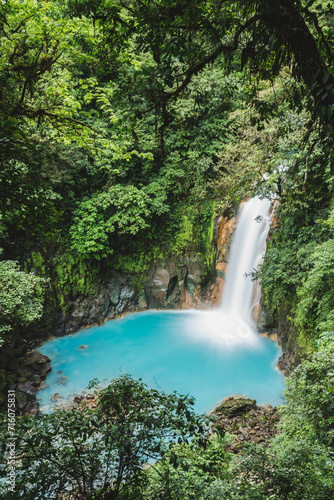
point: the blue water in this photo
(186, 351)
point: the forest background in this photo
(125, 129)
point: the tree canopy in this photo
(20, 297)
(100, 453)
(126, 127)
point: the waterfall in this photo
(247, 251)
(232, 324)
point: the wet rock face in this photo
(193, 279)
(87, 311)
(286, 335)
(113, 297)
(247, 421)
(170, 284)
(113, 288)
(287, 362)
(156, 287)
(127, 293)
(56, 397)
(34, 369)
(175, 284)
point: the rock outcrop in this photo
(175, 284)
(170, 284)
(248, 422)
(33, 370)
(225, 227)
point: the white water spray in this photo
(247, 252)
(232, 323)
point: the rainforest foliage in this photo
(117, 118)
(125, 127)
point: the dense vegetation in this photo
(125, 127)
(101, 453)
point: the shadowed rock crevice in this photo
(171, 288)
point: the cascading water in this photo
(247, 250)
(232, 323)
(208, 354)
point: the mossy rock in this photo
(11, 379)
(24, 373)
(235, 406)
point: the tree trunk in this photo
(285, 19)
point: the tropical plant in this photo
(21, 298)
(101, 453)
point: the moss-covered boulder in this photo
(234, 406)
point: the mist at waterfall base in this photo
(208, 354)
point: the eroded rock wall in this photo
(171, 283)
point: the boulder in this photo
(193, 279)
(56, 397)
(35, 358)
(28, 389)
(235, 405)
(127, 293)
(78, 399)
(248, 422)
(62, 380)
(37, 364)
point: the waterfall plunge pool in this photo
(207, 354)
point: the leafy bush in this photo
(188, 471)
(100, 453)
(20, 296)
(315, 311)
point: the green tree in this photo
(315, 309)
(183, 37)
(117, 211)
(21, 300)
(189, 471)
(100, 453)
(304, 447)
